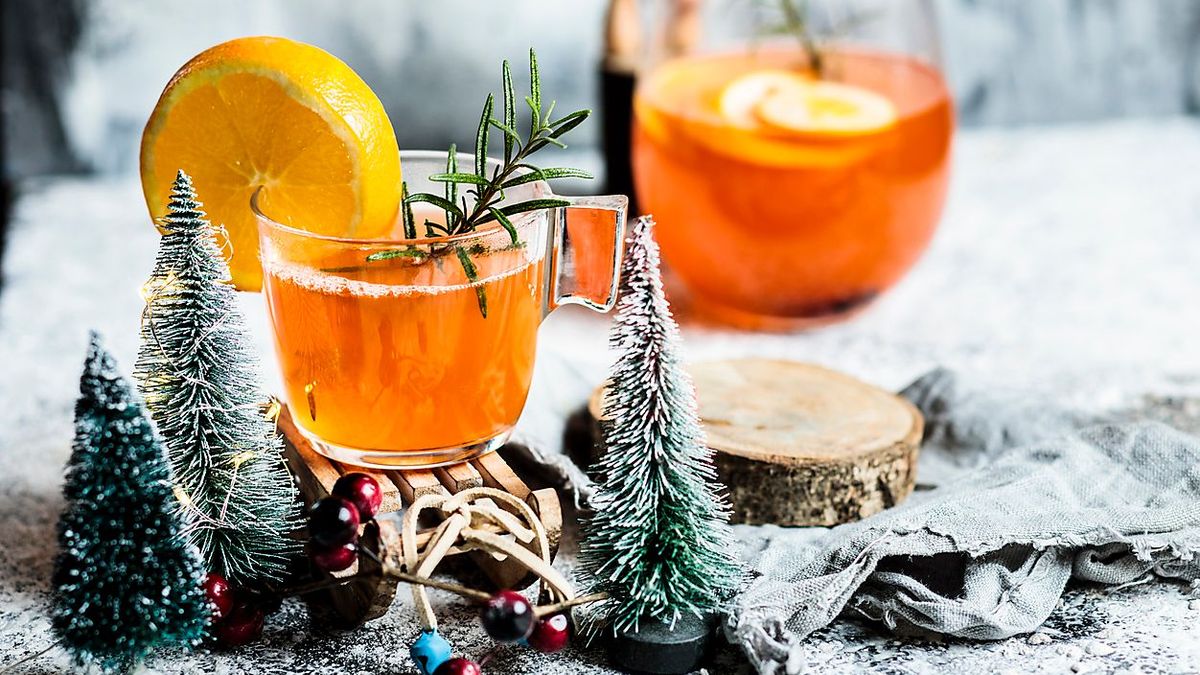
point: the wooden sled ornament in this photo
(370, 595)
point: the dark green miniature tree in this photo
(659, 542)
(200, 378)
(126, 580)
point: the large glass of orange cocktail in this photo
(419, 352)
(785, 197)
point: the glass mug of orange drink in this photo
(409, 353)
(794, 180)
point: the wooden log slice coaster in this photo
(798, 444)
(369, 596)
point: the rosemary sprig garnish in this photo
(481, 200)
(486, 188)
(796, 19)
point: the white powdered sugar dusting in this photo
(1065, 263)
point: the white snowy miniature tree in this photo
(200, 379)
(659, 542)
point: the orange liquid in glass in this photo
(394, 356)
(764, 226)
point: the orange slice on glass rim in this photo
(281, 114)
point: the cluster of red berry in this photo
(237, 617)
(333, 521)
(507, 617)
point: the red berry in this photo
(243, 626)
(220, 595)
(363, 491)
(507, 616)
(333, 558)
(550, 634)
(333, 521)
(459, 667)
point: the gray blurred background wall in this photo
(80, 76)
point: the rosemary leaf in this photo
(505, 223)
(535, 93)
(451, 192)
(545, 174)
(473, 276)
(396, 253)
(481, 138)
(510, 134)
(534, 205)
(436, 200)
(510, 114)
(458, 178)
(569, 122)
(406, 214)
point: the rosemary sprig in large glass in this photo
(796, 22)
(797, 18)
(481, 201)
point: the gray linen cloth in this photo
(1031, 497)
(1016, 496)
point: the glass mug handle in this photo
(585, 246)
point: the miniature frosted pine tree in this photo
(126, 580)
(659, 542)
(199, 377)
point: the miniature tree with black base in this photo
(200, 378)
(658, 543)
(126, 580)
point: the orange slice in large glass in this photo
(739, 100)
(281, 114)
(825, 109)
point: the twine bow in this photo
(469, 521)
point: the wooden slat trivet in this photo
(369, 597)
(798, 444)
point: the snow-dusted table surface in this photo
(1068, 262)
